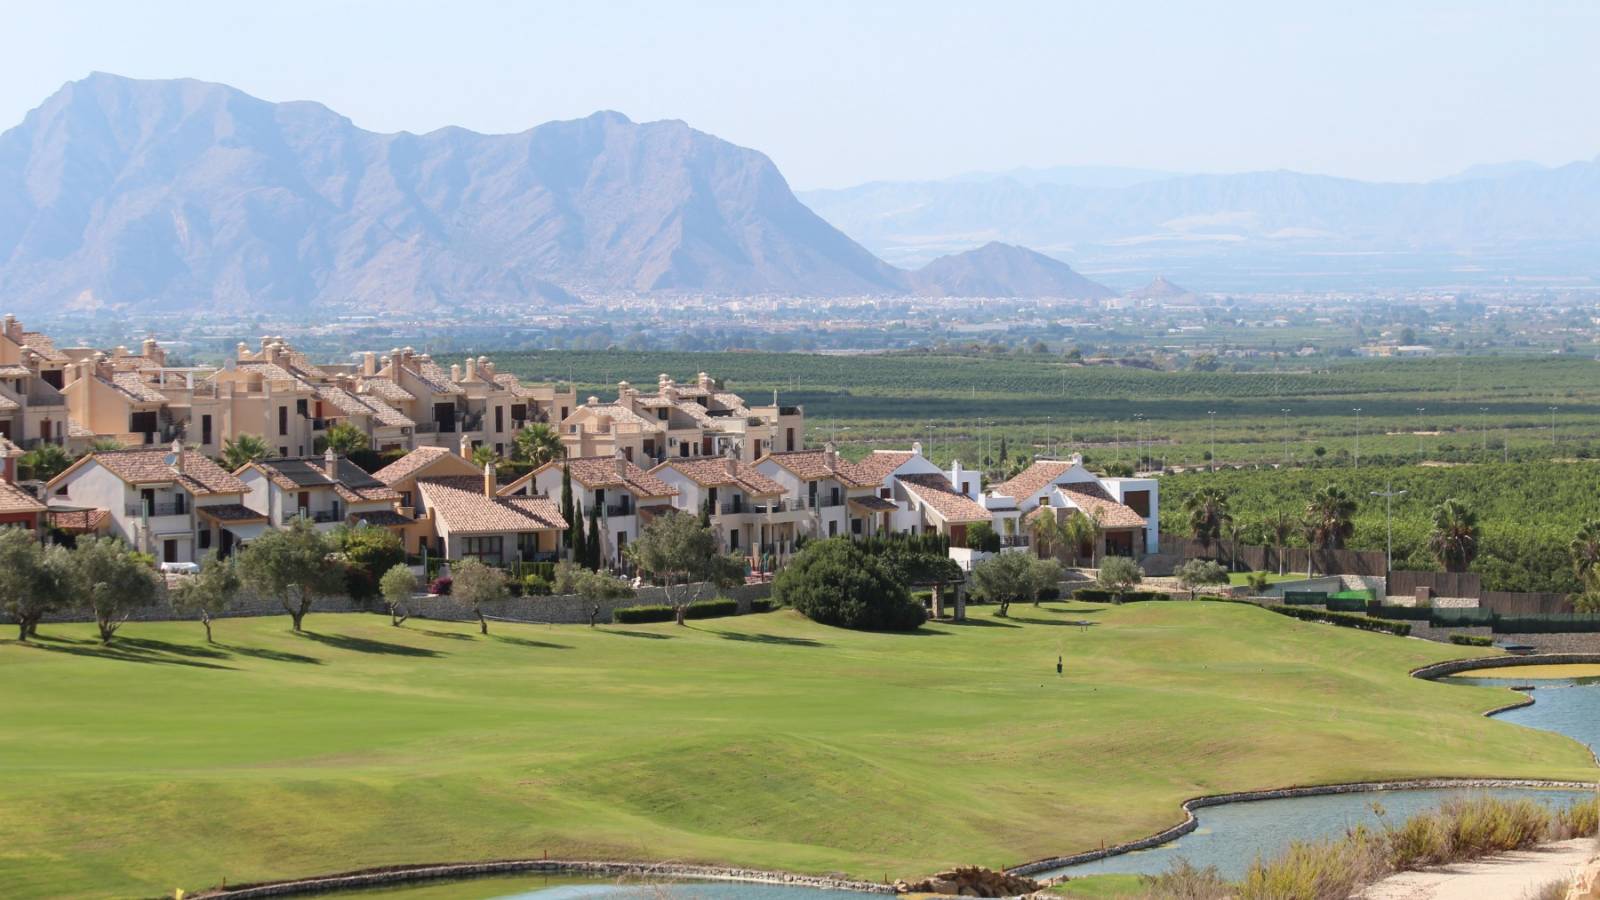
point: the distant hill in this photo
(1160, 288)
(1003, 270)
(1275, 229)
(185, 194)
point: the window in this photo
(855, 526)
(733, 539)
(205, 539)
(791, 440)
(519, 412)
(885, 493)
(485, 549)
(283, 422)
(205, 429)
(833, 528)
(283, 451)
(301, 408)
(499, 420)
(1138, 501)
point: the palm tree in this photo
(344, 439)
(45, 461)
(1328, 519)
(1454, 540)
(105, 445)
(484, 455)
(537, 443)
(1049, 533)
(243, 450)
(1585, 551)
(1281, 527)
(1233, 531)
(1208, 515)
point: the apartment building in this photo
(839, 497)
(327, 490)
(170, 502)
(17, 506)
(1128, 510)
(681, 421)
(32, 408)
(626, 496)
(749, 511)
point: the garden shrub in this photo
(1097, 595)
(1347, 604)
(1472, 640)
(1050, 593)
(440, 586)
(1346, 619)
(833, 582)
(536, 585)
(635, 615)
(1380, 610)
(761, 605)
(1305, 598)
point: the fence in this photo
(1512, 603)
(1295, 559)
(1442, 584)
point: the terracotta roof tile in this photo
(200, 475)
(714, 471)
(16, 500)
(936, 491)
(460, 503)
(410, 464)
(385, 390)
(1091, 497)
(876, 466)
(134, 388)
(812, 465)
(1028, 482)
(41, 343)
(601, 472)
(231, 512)
(80, 521)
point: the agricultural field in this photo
(163, 762)
(1474, 408)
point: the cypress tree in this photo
(568, 512)
(705, 513)
(580, 544)
(593, 553)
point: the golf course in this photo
(163, 762)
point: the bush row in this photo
(1347, 604)
(1096, 595)
(1545, 623)
(1348, 620)
(1472, 640)
(700, 609)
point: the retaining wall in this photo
(1451, 667)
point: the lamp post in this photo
(1420, 411)
(1358, 437)
(1285, 411)
(1212, 415)
(1388, 494)
(1552, 426)
(1483, 421)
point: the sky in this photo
(839, 93)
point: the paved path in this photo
(1511, 876)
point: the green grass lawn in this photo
(1239, 579)
(763, 740)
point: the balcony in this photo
(320, 515)
(614, 510)
(135, 510)
(1013, 540)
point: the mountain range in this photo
(182, 194)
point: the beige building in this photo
(681, 421)
(32, 407)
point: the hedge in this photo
(762, 604)
(1549, 623)
(1096, 595)
(1472, 640)
(1458, 617)
(1347, 620)
(634, 615)
(1347, 604)
(1305, 598)
(1380, 610)
(712, 609)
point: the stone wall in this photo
(568, 609)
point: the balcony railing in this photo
(1013, 540)
(619, 509)
(320, 515)
(135, 510)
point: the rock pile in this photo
(971, 881)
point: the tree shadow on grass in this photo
(524, 642)
(767, 639)
(448, 635)
(367, 645)
(131, 654)
(989, 621)
(654, 636)
(1028, 620)
(272, 655)
(147, 645)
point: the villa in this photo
(681, 421)
(1127, 509)
(327, 490)
(626, 496)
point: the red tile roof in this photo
(602, 472)
(460, 503)
(717, 471)
(16, 500)
(1091, 498)
(1028, 482)
(200, 475)
(876, 466)
(812, 465)
(936, 492)
(414, 462)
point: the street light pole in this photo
(1358, 437)
(1483, 420)
(1552, 426)
(1285, 411)
(1388, 494)
(1420, 411)
(1212, 415)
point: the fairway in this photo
(763, 740)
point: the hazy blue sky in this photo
(841, 92)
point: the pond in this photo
(563, 887)
(1231, 836)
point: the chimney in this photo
(120, 351)
(241, 350)
(593, 401)
(730, 466)
(470, 370)
(955, 475)
(916, 448)
(330, 464)
(177, 452)
(13, 330)
(703, 381)
(369, 363)
(465, 447)
(620, 462)
(486, 366)
(149, 348)
(830, 457)
(455, 372)
(489, 486)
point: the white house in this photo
(749, 511)
(837, 496)
(173, 503)
(1128, 509)
(626, 495)
(327, 490)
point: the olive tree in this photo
(677, 549)
(1013, 578)
(209, 592)
(114, 580)
(477, 583)
(30, 582)
(1119, 575)
(397, 586)
(1198, 573)
(293, 565)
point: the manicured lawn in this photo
(763, 740)
(1239, 579)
